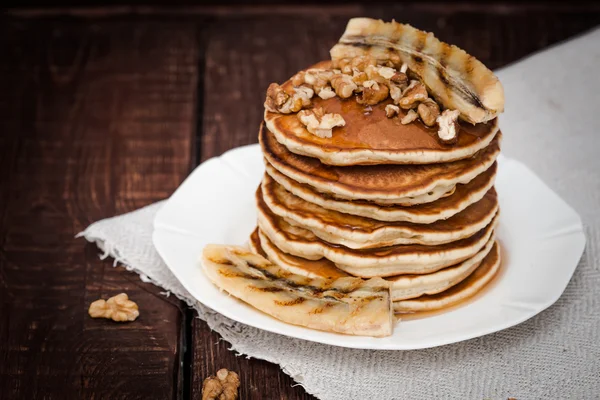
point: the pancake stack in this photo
(381, 163)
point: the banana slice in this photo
(346, 305)
(456, 79)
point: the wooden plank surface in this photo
(98, 115)
(96, 120)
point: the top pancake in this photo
(383, 184)
(372, 138)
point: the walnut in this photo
(448, 126)
(343, 85)
(373, 93)
(278, 100)
(386, 72)
(298, 79)
(410, 116)
(414, 94)
(395, 92)
(370, 84)
(379, 74)
(319, 123)
(118, 308)
(374, 75)
(428, 111)
(359, 77)
(400, 79)
(344, 65)
(223, 386)
(305, 93)
(326, 93)
(318, 78)
(362, 62)
(391, 110)
(276, 97)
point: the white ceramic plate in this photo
(541, 236)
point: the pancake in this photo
(403, 286)
(373, 138)
(467, 288)
(444, 208)
(322, 268)
(363, 233)
(386, 261)
(383, 184)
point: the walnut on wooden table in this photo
(223, 386)
(118, 308)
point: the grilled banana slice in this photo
(346, 305)
(456, 79)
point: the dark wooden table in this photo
(105, 110)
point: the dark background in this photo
(106, 107)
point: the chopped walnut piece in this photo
(374, 75)
(371, 72)
(298, 79)
(400, 79)
(318, 78)
(413, 95)
(410, 116)
(305, 93)
(223, 386)
(359, 77)
(428, 111)
(373, 93)
(118, 308)
(344, 65)
(391, 110)
(343, 85)
(276, 97)
(326, 93)
(362, 62)
(448, 126)
(386, 72)
(279, 101)
(319, 123)
(395, 93)
(371, 84)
